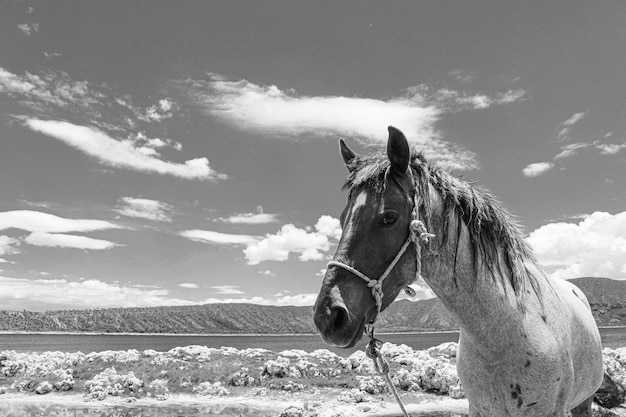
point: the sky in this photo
(171, 153)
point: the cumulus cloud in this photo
(267, 273)
(144, 208)
(310, 245)
(536, 169)
(112, 152)
(610, 148)
(190, 285)
(270, 110)
(250, 218)
(164, 109)
(44, 294)
(35, 221)
(218, 238)
(61, 240)
(596, 246)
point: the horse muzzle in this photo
(335, 323)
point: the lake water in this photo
(612, 337)
(92, 343)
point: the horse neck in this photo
(483, 305)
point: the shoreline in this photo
(382, 332)
(59, 333)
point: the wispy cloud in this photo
(464, 77)
(309, 244)
(250, 218)
(227, 289)
(144, 208)
(120, 154)
(273, 111)
(566, 125)
(570, 150)
(576, 117)
(45, 294)
(189, 285)
(536, 169)
(610, 148)
(35, 221)
(60, 240)
(218, 238)
(109, 127)
(8, 245)
(28, 28)
(450, 100)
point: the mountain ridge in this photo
(607, 298)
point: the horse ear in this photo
(398, 151)
(346, 153)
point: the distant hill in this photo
(602, 290)
(607, 297)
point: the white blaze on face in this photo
(359, 202)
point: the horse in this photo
(528, 344)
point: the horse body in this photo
(528, 344)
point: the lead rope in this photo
(372, 350)
(417, 234)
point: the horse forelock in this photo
(492, 229)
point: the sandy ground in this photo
(322, 404)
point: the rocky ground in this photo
(288, 383)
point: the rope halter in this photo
(417, 235)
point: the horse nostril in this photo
(338, 316)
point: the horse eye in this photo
(389, 219)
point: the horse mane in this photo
(491, 227)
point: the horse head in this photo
(372, 249)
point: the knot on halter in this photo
(417, 234)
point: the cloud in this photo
(144, 208)
(566, 125)
(272, 111)
(44, 294)
(59, 240)
(35, 221)
(190, 285)
(576, 117)
(267, 273)
(211, 237)
(570, 150)
(250, 218)
(8, 246)
(28, 28)
(464, 77)
(536, 169)
(109, 151)
(596, 246)
(610, 148)
(311, 245)
(227, 289)
(306, 299)
(450, 100)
